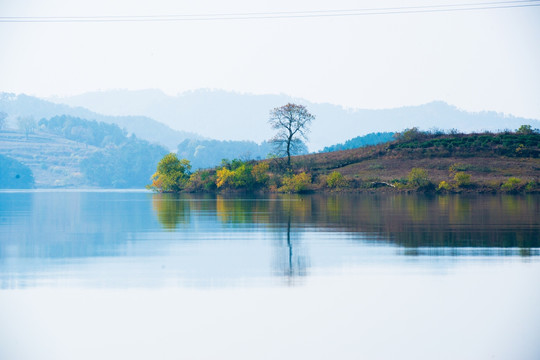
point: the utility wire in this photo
(277, 14)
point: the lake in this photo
(137, 275)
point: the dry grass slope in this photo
(488, 158)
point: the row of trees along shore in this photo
(319, 172)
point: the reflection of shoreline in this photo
(178, 238)
(406, 220)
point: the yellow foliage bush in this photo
(336, 180)
(512, 184)
(462, 179)
(418, 177)
(296, 183)
(223, 176)
(443, 185)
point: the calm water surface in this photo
(109, 275)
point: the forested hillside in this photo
(128, 165)
(84, 131)
(143, 127)
(66, 151)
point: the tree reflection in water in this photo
(291, 260)
(408, 220)
(450, 225)
(286, 235)
(171, 210)
(277, 213)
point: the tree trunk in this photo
(289, 150)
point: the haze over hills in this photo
(223, 115)
(200, 151)
(142, 126)
(68, 152)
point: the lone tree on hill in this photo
(292, 122)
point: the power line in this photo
(276, 14)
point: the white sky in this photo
(476, 60)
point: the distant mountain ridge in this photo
(224, 115)
(142, 126)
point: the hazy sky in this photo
(476, 60)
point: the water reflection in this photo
(171, 210)
(407, 220)
(155, 238)
(291, 259)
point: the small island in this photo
(414, 161)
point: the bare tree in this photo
(292, 122)
(27, 124)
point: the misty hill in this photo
(226, 115)
(120, 162)
(71, 152)
(53, 160)
(84, 131)
(142, 126)
(360, 141)
(209, 153)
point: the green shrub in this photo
(296, 183)
(512, 184)
(462, 179)
(201, 180)
(524, 130)
(454, 168)
(443, 185)
(241, 177)
(172, 174)
(260, 173)
(409, 134)
(531, 185)
(336, 181)
(418, 177)
(399, 183)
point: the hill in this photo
(490, 159)
(53, 160)
(142, 126)
(416, 161)
(223, 115)
(71, 152)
